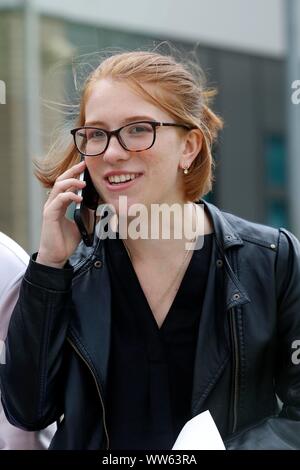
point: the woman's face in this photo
(112, 104)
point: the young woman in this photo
(123, 342)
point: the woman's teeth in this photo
(122, 178)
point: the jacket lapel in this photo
(223, 292)
(91, 322)
(212, 352)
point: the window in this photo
(275, 177)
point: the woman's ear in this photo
(191, 147)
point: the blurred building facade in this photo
(240, 47)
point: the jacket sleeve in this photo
(282, 432)
(31, 378)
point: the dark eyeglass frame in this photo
(116, 133)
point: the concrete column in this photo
(32, 119)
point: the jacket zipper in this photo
(97, 386)
(235, 369)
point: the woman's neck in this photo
(168, 236)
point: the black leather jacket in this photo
(58, 343)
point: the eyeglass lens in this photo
(135, 137)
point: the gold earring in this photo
(186, 170)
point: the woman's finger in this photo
(72, 172)
(69, 184)
(60, 203)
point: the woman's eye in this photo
(140, 129)
(96, 134)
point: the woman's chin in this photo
(125, 206)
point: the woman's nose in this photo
(115, 151)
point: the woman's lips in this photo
(121, 186)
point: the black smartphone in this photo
(85, 211)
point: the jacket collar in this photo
(226, 236)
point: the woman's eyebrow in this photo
(122, 122)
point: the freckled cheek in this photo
(94, 168)
(155, 168)
(165, 165)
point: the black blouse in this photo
(150, 373)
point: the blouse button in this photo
(219, 263)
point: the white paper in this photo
(200, 433)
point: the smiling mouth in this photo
(124, 178)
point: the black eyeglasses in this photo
(134, 137)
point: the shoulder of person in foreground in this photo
(13, 263)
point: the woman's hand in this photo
(60, 236)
